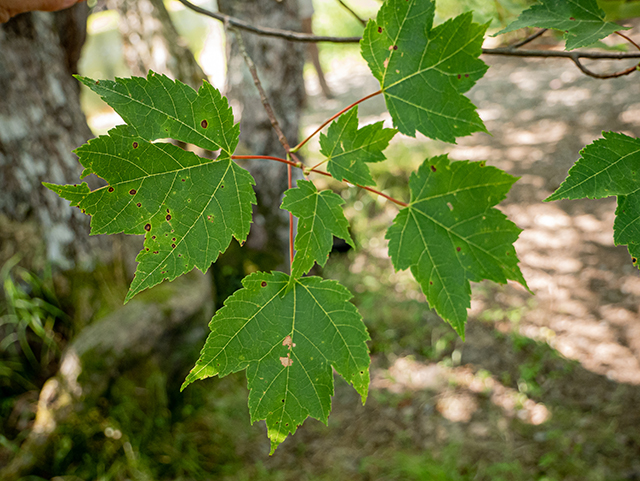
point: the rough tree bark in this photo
(40, 124)
(279, 65)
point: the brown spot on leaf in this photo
(395, 47)
(459, 76)
(204, 124)
(139, 204)
(380, 29)
(286, 361)
(173, 246)
(153, 237)
(183, 180)
(263, 284)
(135, 145)
(111, 189)
(132, 191)
(634, 260)
(168, 216)
(458, 249)
(466, 75)
(155, 252)
(147, 227)
(97, 82)
(433, 168)
(571, 18)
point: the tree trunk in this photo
(40, 124)
(279, 64)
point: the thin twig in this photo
(291, 236)
(302, 37)
(529, 39)
(271, 32)
(507, 51)
(573, 56)
(299, 165)
(319, 164)
(266, 157)
(628, 39)
(297, 147)
(593, 74)
(263, 95)
(354, 14)
(512, 51)
(276, 126)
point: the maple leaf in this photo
(288, 338)
(451, 235)
(158, 108)
(610, 166)
(582, 21)
(188, 207)
(424, 70)
(348, 148)
(321, 218)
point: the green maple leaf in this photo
(188, 207)
(610, 166)
(348, 148)
(321, 218)
(288, 338)
(582, 21)
(451, 235)
(424, 70)
(158, 107)
(626, 230)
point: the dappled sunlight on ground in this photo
(459, 388)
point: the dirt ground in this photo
(545, 386)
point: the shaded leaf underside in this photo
(610, 166)
(288, 334)
(320, 218)
(424, 71)
(187, 207)
(348, 148)
(450, 234)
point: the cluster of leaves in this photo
(290, 331)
